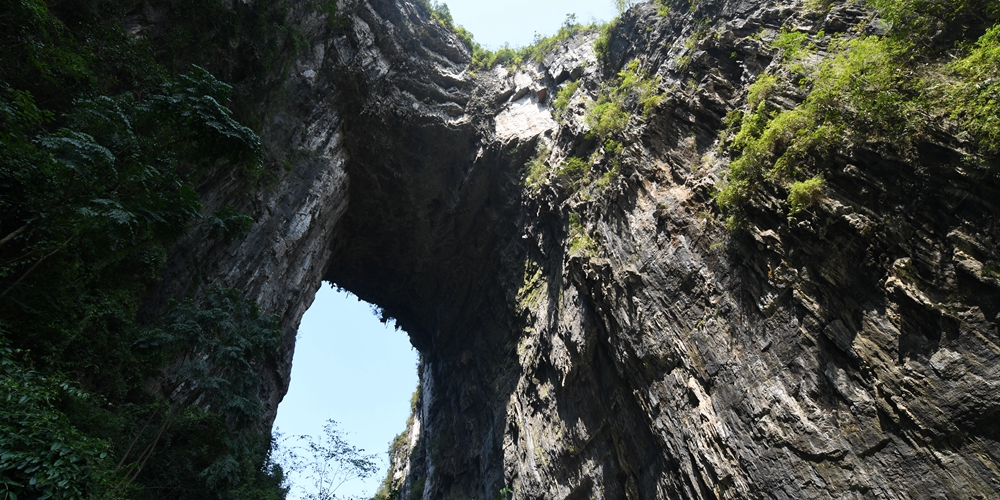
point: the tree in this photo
(327, 463)
(623, 5)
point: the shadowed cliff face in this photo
(850, 351)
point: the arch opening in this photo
(351, 368)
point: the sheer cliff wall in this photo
(615, 340)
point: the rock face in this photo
(615, 340)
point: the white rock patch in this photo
(524, 119)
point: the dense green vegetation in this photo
(609, 114)
(937, 66)
(563, 97)
(103, 139)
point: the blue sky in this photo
(351, 368)
(348, 366)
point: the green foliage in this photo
(602, 45)
(623, 5)
(248, 44)
(212, 349)
(440, 12)
(802, 194)
(608, 116)
(103, 137)
(575, 171)
(543, 45)
(481, 58)
(107, 181)
(795, 49)
(855, 90)
(43, 453)
(197, 456)
(818, 5)
(662, 8)
(37, 52)
(921, 21)
(538, 168)
(230, 223)
(760, 90)
(613, 147)
(333, 19)
(329, 7)
(574, 174)
(513, 57)
(108, 189)
(563, 98)
(580, 243)
(609, 177)
(637, 82)
(508, 56)
(417, 492)
(875, 91)
(883, 102)
(387, 490)
(990, 271)
(793, 44)
(191, 111)
(975, 96)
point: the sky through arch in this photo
(494, 23)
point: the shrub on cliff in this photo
(609, 114)
(870, 91)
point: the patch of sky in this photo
(494, 23)
(351, 368)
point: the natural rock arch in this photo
(807, 360)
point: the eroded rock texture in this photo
(850, 351)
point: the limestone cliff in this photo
(613, 339)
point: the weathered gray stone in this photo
(848, 352)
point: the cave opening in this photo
(351, 368)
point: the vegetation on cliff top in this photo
(483, 58)
(937, 66)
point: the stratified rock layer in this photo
(848, 352)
